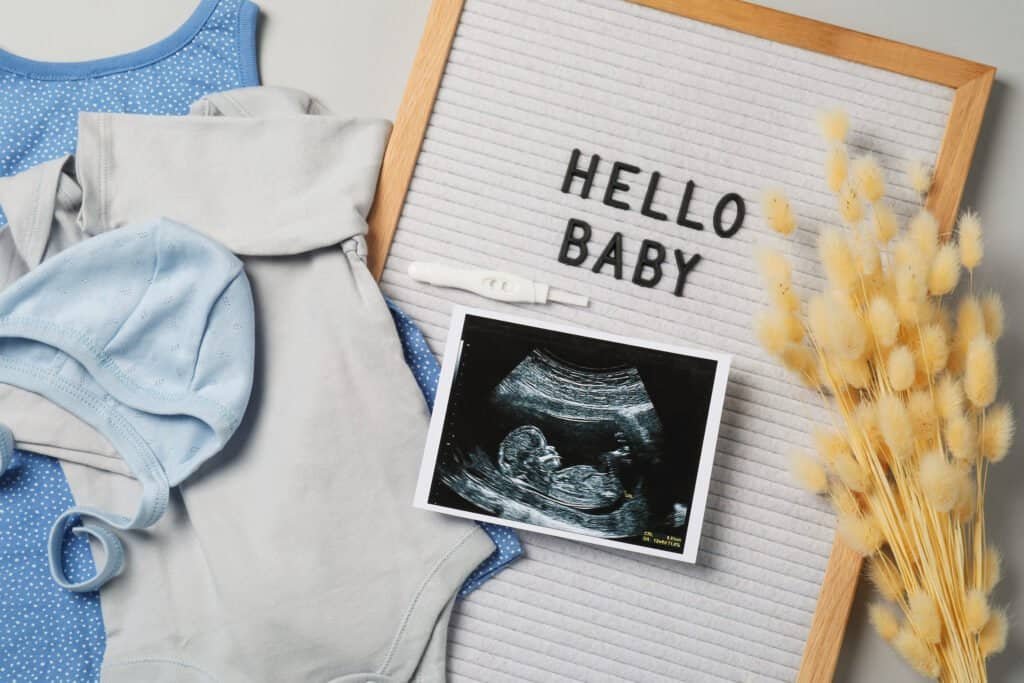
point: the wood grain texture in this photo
(826, 637)
(829, 39)
(958, 148)
(971, 80)
(821, 654)
(410, 126)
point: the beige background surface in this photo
(356, 54)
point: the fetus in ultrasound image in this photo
(573, 433)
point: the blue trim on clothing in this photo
(51, 71)
(427, 371)
(248, 21)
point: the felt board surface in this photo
(526, 83)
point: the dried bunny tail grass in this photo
(865, 417)
(855, 372)
(992, 638)
(861, 533)
(924, 232)
(808, 472)
(944, 317)
(847, 336)
(934, 348)
(972, 250)
(940, 481)
(917, 653)
(924, 616)
(802, 361)
(883, 320)
(894, 422)
(851, 207)
(949, 397)
(994, 315)
(970, 323)
(837, 258)
(997, 433)
(785, 297)
(867, 257)
(962, 438)
(777, 212)
(925, 420)
(884, 222)
(967, 501)
(991, 569)
(775, 328)
(905, 252)
(774, 266)
(929, 311)
(834, 124)
(771, 332)
(854, 477)
(886, 579)
(919, 175)
(885, 621)
(832, 378)
(945, 273)
(976, 610)
(817, 319)
(970, 318)
(900, 368)
(836, 165)
(844, 501)
(981, 381)
(869, 178)
(777, 276)
(794, 328)
(911, 274)
(829, 443)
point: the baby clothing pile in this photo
(188, 325)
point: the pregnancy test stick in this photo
(493, 284)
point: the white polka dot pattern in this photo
(49, 634)
(46, 633)
(39, 111)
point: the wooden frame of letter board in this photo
(972, 82)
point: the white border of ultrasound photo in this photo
(452, 355)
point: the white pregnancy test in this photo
(493, 284)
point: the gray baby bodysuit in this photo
(296, 554)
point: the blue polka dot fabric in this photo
(427, 371)
(47, 633)
(213, 50)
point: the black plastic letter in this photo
(571, 240)
(652, 189)
(612, 254)
(574, 171)
(615, 185)
(737, 222)
(684, 269)
(645, 260)
(684, 209)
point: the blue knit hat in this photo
(146, 334)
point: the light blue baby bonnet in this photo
(146, 334)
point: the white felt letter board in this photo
(716, 100)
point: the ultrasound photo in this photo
(574, 433)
